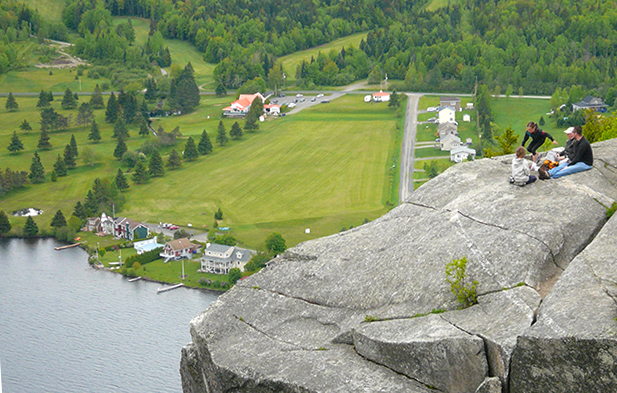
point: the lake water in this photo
(65, 327)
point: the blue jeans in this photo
(563, 169)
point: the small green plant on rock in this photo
(460, 286)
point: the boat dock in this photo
(165, 289)
(68, 246)
(135, 279)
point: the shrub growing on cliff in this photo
(460, 286)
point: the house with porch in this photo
(449, 142)
(179, 248)
(218, 258)
(447, 128)
(93, 224)
(241, 106)
(462, 153)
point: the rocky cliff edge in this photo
(363, 310)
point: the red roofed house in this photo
(381, 96)
(179, 248)
(240, 107)
(129, 229)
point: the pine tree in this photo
(37, 172)
(97, 98)
(90, 205)
(79, 211)
(15, 146)
(43, 100)
(205, 145)
(25, 126)
(156, 167)
(221, 136)
(30, 228)
(143, 128)
(50, 96)
(54, 177)
(129, 107)
(120, 149)
(69, 158)
(220, 90)
(236, 131)
(184, 93)
(190, 151)
(151, 89)
(11, 104)
(69, 101)
(395, 100)
(58, 221)
(113, 109)
(120, 129)
(73, 145)
(44, 143)
(60, 166)
(143, 109)
(95, 133)
(140, 173)
(121, 181)
(84, 115)
(5, 224)
(174, 162)
(252, 118)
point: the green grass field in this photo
(50, 10)
(290, 62)
(324, 168)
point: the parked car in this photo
(296, 100)
(291, 105)
(432, 120)
(301, 99)
(173, 227)
(282, 95)
(319, 95)
(325, 101)
(299, 95)
(432, 109)
(313, 99)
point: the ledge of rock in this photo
(303, 324)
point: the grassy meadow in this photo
(291, 61)
(324, 168)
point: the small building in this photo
(469, 106)
(466, 118)
(146, 245)
(449, 142)
(107, 224)
(368, 98)
(381, 96)
(272, 109)
(452, 102)
(590, 102)
(446, 114)
(468, 142)
(462, 153)
(219, 259)
(179, 248)
(241, 106)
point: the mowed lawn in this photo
(324, 168)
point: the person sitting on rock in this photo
(570, 149)
(537, 139)
(521, 169)
(581, 161)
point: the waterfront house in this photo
(218, 258)
(93, 224)
(179, 248)
(107, 224)
(128, 229)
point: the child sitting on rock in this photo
(521, 169)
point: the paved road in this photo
(409, 140)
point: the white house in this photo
(590, 102)
(462, 153)
(449, 142)
(218, 258)
(241, 106)
(179, 248)
(272, 109)
(466, 118)
(446, 114)
(381, 96)
(107, 224)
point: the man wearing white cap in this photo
(582, 160)
(570, 149)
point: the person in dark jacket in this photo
(581, 161)
(570, 149)
(537, 138)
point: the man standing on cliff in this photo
(581, 161)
